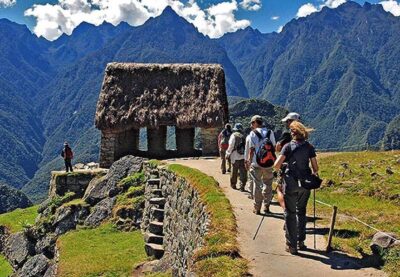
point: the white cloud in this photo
(391, 6)
(309, 8)
(7, 3)
(54, 20)
(280, 29)
(251, 5)
(275, 17)
(306, 10)
(333, 4)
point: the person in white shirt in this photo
(246, 157)
(261, 176)
(235, 152)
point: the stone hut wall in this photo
(186, 220)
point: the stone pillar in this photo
(209, 141)
(107, 149)
(185, 141)
(156, 142)
(127, 143)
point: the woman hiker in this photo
(296, 155)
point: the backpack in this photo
(225, 135)
(265, 154)
(240, 143)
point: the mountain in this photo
(23, 71)
(11, 199)
(337, 68)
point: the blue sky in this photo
(259, 17)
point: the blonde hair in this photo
(300, 131)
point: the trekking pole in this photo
(259, 225)
(315, 242)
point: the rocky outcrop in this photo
(11, 199)
(33, 252)
(107, 186)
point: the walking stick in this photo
(259, 225)
(315, 243)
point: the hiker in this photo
(235, 153)
(223, 144)
(246, 157)
(261, 173)
(68, 155)
(284, 139)
(295, 156)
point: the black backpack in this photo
(240, 143)
(265, 154)
(225, 136)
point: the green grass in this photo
(16, 220)
(221, 246)
(103, 251)
(5, 267)
(356, 190)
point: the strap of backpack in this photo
(260, 137)
(269, 134)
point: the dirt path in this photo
(266, 253)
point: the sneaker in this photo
(228, 170)
(233, 186)
(223, 172)
(242, 189)
(257, 212)
(266, 210)
(301, 245)
(291, 250)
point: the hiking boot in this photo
(233, 186)
(291, 250)
(301, 245)
(257, 212)
(229, 170)
(223, 172)
(250, 197)
(242, 189)
(266, 210)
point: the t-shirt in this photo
(299, 161)
(255, 141)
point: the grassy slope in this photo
(356, 191)
(5, 267)
(17, 219)
(103, 251)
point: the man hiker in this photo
(261, 175)
(223, 144)
(235, 153)
(68, 155)
(246, 157)
(286, 137)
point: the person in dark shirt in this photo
(68, 155)
(296, 155)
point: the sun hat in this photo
(256, 118)
(238, 127)
(291, 116)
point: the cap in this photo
(238, 127)
(65, 143)
(291, 116)
(256, 118)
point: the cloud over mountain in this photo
(7, 3)
(63, 17)
(391, 6)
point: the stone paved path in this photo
(266, 253)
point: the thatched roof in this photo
(150, 95)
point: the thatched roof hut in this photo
(152, 95)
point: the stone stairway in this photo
(154, 237)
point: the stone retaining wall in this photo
(185, 220)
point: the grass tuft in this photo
(18, 219)
(103, 251)
(5, 267)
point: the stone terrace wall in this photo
(185, 220)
